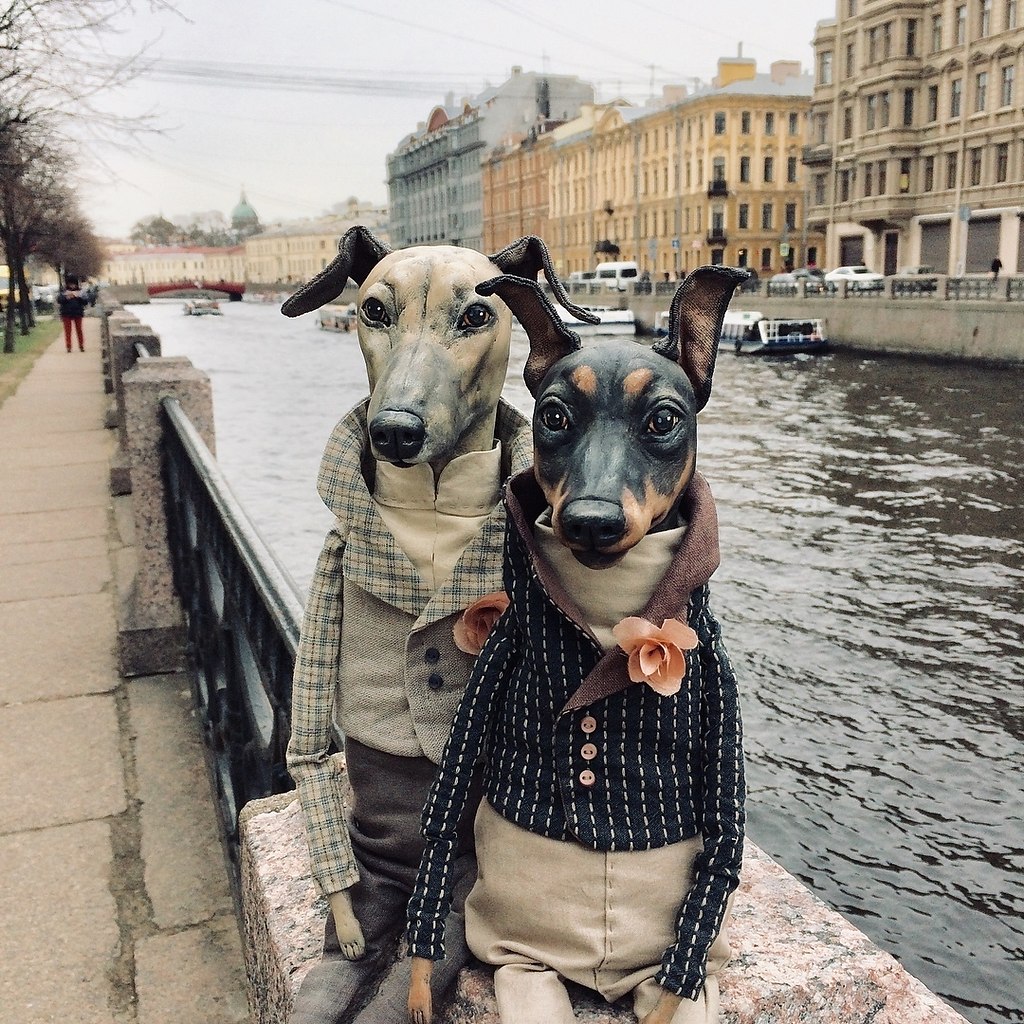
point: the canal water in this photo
(871, 594)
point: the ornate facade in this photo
(916, 152)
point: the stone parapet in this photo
(150, 630)
(795, 960)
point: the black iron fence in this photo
(243, 614)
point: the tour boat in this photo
(751, 333)
(202, 307)
(612, 321)
(337, 318)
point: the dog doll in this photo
(609, 839)
(413, 475)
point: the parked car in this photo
(858, 279)
(788, 282)
(917, 278)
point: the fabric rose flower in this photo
(478, 620)
(656, 654)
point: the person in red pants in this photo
(72, 302)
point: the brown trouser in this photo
(388, 797)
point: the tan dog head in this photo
(436, 349)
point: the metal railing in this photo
(243, 613)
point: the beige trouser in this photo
(543, 910)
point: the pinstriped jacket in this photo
(666, 768)
(377, 654)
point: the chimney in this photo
(784, 69)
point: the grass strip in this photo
(27, 349)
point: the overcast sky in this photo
(299, 102)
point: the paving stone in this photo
(195, 975)
(58, 932)
(87, 575)
(60, 763)
(62, 524)
(60, 480)
(60, 647)
(47, 551)
(186, 876)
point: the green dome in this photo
(243, 215)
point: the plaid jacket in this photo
(377, 654)
(576, 752)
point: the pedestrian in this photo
(72, 302)
(997, 265)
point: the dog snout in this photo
(593, 523)
(397, 436)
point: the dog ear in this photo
(695, 323)
(549, 338)
(527, 257)
(359, 251)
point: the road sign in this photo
(675, 243)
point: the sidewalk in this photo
(115, 906)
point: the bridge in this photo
(233, 289)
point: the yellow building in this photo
(917, 116)
(712, 176)
(164, 264)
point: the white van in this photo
(581, 276)
(618, 274)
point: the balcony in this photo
(716, 236)
(718, 187)
(819, 155)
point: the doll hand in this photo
(663, 1010)
(421, 1009)
(350, 935)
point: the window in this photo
(851, 8)
(794, 124)
(933, 104)
(744, 215)
(720, 122)
(961, 25)
(883, 187)
(820, 184)
(908, 107)
(929, 173)
(887, 40)
(975, 155)
(718, 222)
(951, 170)
(821, 133)
(980, 91)
(1011, 13)
(718, 169)
(1002, 161)
(872, 44)
(905, 175)
(766, 258)
(847, 122)
(791, 215)
(912, 37)
(869, 179)
(985, 18)
(791, 169)
(870, 108)
(955, 91)
(936, 33)
(767, 214)
(769, 169)
(850, 64)
(1006, 86)
(825, 67)
(745, 168)
(883, 114)
(769, 124)
(844, 186)
(745, 122)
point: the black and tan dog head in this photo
(436, 350)
(615, 423)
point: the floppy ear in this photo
(527, 257)
(695, 323)
(549, 338)
(359, 251)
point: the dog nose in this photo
(593, 523)
(397, 436)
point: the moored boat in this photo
(611, 321)
(202, 307)
(751, 333)
(337, 318)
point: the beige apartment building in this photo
(165, 264)
(916, 153)
(712, 176)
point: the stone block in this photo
(795, 960)
(120, 474)
(123, 338)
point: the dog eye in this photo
(374, 311)
(476, 316)
(554, 418)
(661, 421)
